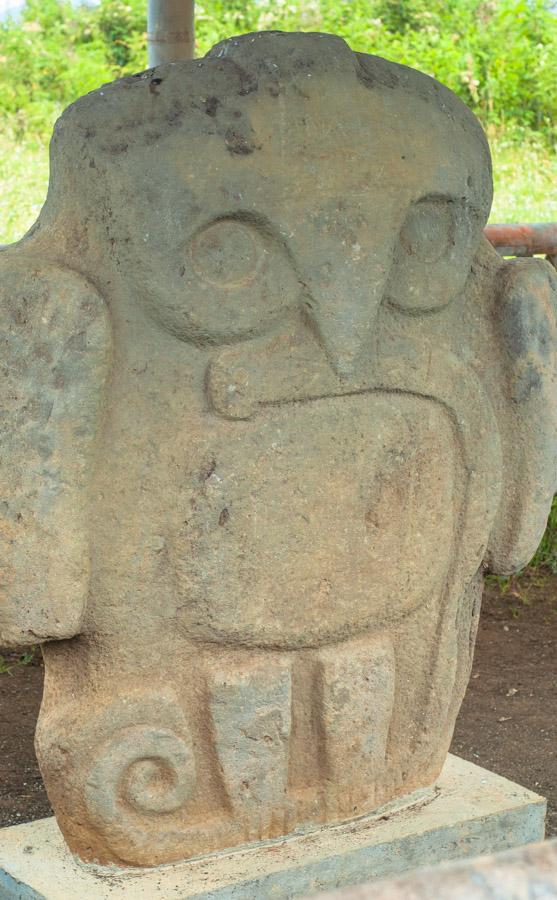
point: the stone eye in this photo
(231, 280)
(428, 230)
(433, 254)
(227, 254)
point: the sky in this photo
(12, 7)
(9, 6)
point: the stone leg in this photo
(301, 737)
(250, 706)
(250, 745)
(356, 684)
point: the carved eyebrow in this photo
(251, 219)
(256, 220)
(435, 197)
(438, 198)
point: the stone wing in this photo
(525, 319)
(54, 361)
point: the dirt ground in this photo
(508, 722)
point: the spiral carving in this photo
(140, 779)
(138, 785)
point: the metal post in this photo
(170, 31)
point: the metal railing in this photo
(525, 240)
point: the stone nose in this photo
(342, 298)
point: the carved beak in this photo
(342, 303)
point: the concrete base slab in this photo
(470, 811)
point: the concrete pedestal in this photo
(469, 812)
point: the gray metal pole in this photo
(170, 30)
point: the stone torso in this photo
(301, 525)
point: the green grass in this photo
(525, 175)
(23, 183)
(13, 660)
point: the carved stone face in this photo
(265, 194)
(305, 378)
(289, 220)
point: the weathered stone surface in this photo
(55, 358)
(469, 811)
(272, 407)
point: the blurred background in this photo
(500, 56)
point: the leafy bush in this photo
(498, 55)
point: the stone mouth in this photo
(329, 395)
(237, 392)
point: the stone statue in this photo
(272, 407)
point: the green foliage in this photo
(498, 55)
(546, 555)
(12, 661)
